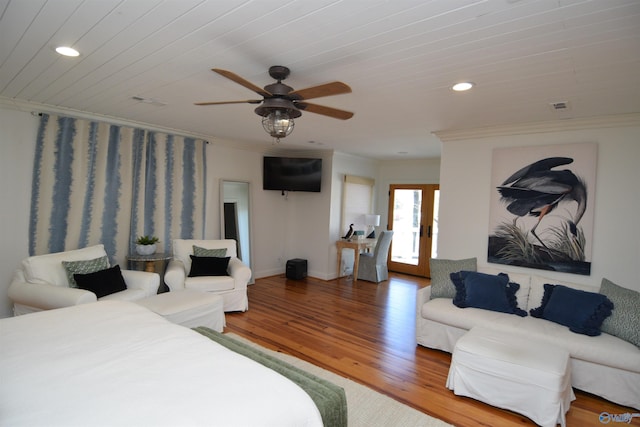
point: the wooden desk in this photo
(357, 246)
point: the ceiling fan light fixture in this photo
(281, 104)
(278, 124)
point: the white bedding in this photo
(115, 363)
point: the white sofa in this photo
(41, 282)
(232, 287)
(604, 365)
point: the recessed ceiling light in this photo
(67, 51)
(461, 87)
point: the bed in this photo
(116, 363)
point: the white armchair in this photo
(232, 286)
(41, 282)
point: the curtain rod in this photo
(127, 124)
(122, 122)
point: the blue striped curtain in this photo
(95, 182)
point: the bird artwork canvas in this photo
(542, 202)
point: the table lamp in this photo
(372, 221)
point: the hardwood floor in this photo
(365, 332)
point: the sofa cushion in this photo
(442, 310)
(583, 312)
(441, 269)
(103, 282)
(198, 251)
(208, 266)
(84, 267)
(624, 321)
(48, 268)
(129, 294)
(486, 291)
(592, 349)
(210, 283)
(596, 349)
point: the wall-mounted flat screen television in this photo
(292, 174)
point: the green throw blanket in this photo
(329, 398)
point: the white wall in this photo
(292, 225)
(233, 165)
(343, 164)
(17, 147)
(465, 188)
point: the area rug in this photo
(366, 407)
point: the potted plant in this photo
(146, 245)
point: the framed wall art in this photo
(542, 205)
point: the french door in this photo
(413, 217)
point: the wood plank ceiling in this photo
(400, 57)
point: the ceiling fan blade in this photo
(327, 89)
(325, 111)
(236, 78)
(249, 101)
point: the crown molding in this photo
(36, 108)
(619, 120)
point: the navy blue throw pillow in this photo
(486, 291)
(582, 311)
(103, 282)
(208, 266)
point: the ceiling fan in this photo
(280, 103)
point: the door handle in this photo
(429, 232)
(420, 231)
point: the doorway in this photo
(235, 217)
(413, 217)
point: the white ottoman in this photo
(513, 372)
(188, 308)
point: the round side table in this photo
(150, 264)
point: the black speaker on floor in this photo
(296, 269)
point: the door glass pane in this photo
(406, 226)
